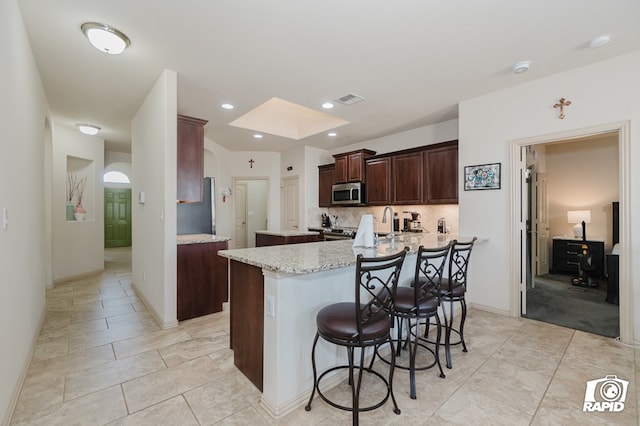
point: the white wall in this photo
(78, 246)
(153, 160)
(606, 92)
(583, 176)
(23, 113)
(230, 165)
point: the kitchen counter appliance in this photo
(339, 234)
(348, 194)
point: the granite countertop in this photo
(322, 256)
(288, 233)
(200, 238)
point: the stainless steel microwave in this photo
(348, 193)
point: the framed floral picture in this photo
(483, 176)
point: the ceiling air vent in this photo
(350, 99)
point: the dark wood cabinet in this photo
(565, 256)
(441, 174)
(202, 279)
(326, 179)
(190, 156)
(263, 240)
(378, 186)
(247, 320)
(350, 166)
(407, 178)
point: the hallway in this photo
(102, 359)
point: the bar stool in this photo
(418, 302)
(361, 324)
(453, 289)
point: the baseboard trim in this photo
(154, 314)
(77, 277)
(23, 373)
(485, 308)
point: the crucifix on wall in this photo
(561, 104)
(251, 163)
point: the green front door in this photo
(117, 217)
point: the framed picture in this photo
(483, 176)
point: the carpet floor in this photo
(555, 300)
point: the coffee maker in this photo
(413, 224)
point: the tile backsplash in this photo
(350, 216)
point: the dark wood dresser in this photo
(565, 256)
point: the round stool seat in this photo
(405, 302)
(338, 321)
(451, 288)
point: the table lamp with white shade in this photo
(580, 218)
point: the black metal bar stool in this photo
(419, 302)
(453, 289)
(361, 324)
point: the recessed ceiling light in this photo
(327, 105)
(227, 106)
(105, 38)
(599, 41)
(332, 134)
(257, 136)
(521, 67)
(88, 129)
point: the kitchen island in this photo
(273, 238)
(275, 294)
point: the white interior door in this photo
(542, 224)
(290, 203)
(240, 215)
(522, 228)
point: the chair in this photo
(453, 289)
(361, 324)
(421, 301)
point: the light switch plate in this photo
(270, 302)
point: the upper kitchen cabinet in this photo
(350, 165)
(441, 174)
(190, 155)
(326, 179)
(378, 186)
(407, 178)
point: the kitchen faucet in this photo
(384, 220)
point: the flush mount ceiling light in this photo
(105, 38)
(599, 41)
(88, 129)
(226, 106)
(258, 136)
(521, 67)
(332, 134)
(327, 105)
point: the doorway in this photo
(526, 268)
(250, 210)
(117, 217)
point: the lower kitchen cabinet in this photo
(263, 240)
(202, 279)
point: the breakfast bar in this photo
(275, 294)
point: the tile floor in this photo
(102, 359)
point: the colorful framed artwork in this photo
(483, 176)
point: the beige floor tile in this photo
(468, 407)
(128, 319)
(147, 342)
(82, 382)
(246, 416)
(69, 362)
(156, 387)
(552, 412)
(38, 393)
(194, 348)
(50, 347)
(94, 409)
(101, 313)
(108, 303)
(81, 308)
(99, 338)
(519, 387)
(223, 359)
(207, 325)
(174, 411)
(75, 329)
(222, 398)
